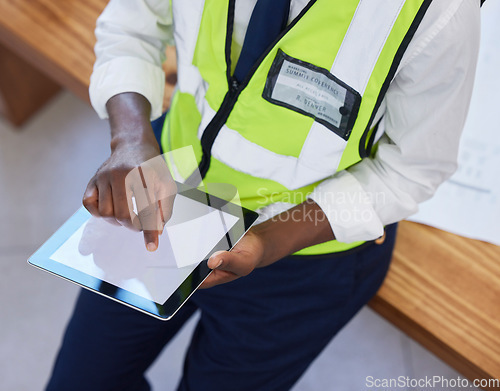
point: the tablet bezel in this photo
(41, 258)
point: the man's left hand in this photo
(302, 226)
(240, 261)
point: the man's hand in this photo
(134, 169)
(240, 261)
(302, 226)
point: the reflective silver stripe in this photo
(207, 113)
(232, 149)
(358, 55)
(322, 148)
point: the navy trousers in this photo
(258, 333)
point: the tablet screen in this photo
(118, 255)
(113, 260)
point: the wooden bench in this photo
(442, 290)
(46, 45)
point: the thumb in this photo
(237, 263)
(216, 260)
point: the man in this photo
(350, 113)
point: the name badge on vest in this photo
(312, 91)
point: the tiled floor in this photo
(44, 169)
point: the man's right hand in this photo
(136, 170)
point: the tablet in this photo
(113, 261)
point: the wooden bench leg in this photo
(23, 89)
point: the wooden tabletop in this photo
(57, 36)
(444, 291)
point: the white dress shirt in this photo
(423, 112)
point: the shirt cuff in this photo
(348, 208)
(127, 74)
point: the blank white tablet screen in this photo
(118, 255)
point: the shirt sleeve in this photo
(425, 111)
(130, 49)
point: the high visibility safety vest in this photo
(307, 107)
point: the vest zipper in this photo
(234, 90)
(214, 127)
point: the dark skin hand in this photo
(108, 193)
(132, 143)
(302, 226)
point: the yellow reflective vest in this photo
(307, 108)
